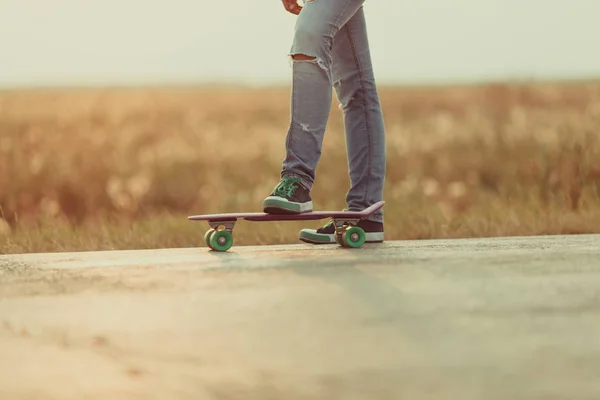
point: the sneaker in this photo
(288, 197)
(326, 234)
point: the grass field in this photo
(123, 168)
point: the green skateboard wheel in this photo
(221, 240)
(338, 238)
(207, 237)
(353, 237)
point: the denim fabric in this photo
(335, 33)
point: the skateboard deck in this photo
(219, 237)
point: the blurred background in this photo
(119, 119)
(69, 42)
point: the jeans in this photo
(334, 33)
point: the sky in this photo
(108, 42)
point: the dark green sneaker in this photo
(326, 234)
(288, 197)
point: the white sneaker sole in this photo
(311, 236)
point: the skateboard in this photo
(220, 235)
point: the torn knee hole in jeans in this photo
(305, 58)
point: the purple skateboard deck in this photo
(308, 216)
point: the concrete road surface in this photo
(508, 318)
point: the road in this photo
(503, 318)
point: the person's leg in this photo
(355, 87)
(312, 80)
(354, 82)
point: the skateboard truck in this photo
(220, 239)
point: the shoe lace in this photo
(287, 186)
(327, 225)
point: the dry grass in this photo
(122, 168)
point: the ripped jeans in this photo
(333, 33)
